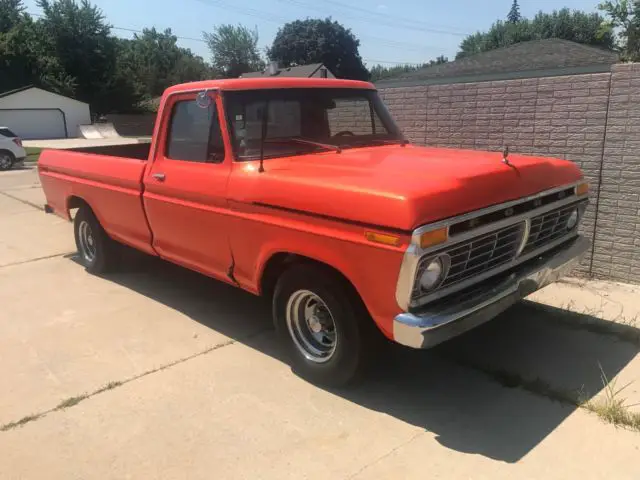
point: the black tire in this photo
(7, 160)
(104, 252)
(353, 326)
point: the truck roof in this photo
(265, 83)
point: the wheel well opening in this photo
(280, 262)
(75, 202)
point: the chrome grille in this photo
(478, 255)
(548, 227)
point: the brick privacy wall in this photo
(617, 233)
(564, 117)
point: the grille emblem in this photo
(508, 212)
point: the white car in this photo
(11, 150)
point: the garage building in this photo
(34, 113)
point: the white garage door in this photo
(34, 124)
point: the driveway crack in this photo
(75, 400)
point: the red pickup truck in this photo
(305, 191)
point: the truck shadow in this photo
(458, 391)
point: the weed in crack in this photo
(613, 408)
(19, 423)
(108, 386)
(71, 401)
(622, 328)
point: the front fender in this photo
(371, 268)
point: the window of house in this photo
(194, 133)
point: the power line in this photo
(133, 30)
(252, 12)
(379, 18)
(390, 42)
(386, 16)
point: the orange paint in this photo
(322, 205)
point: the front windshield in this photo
(306, 120)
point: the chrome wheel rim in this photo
(311, 326)
(5, 161)
(87, 241)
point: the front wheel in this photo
(96, 250)
(322, 324)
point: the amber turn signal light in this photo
(582, 189)
(382, 238)
(434, 237)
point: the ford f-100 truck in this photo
(305, 191)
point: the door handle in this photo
(159, 176)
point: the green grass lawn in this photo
(32, 154)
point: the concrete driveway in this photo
(157, 372)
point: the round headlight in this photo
(572, 221)
(432, 275)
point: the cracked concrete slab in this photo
(238, 412)
(526, 342)
(64, 332)
(28, 233)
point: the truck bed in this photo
(139, 151)
(111, 182)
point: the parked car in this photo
(11, 151)
(305, 191)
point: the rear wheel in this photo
(322, 324)
(96, 250)
(6, 160)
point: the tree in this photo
(624, 17)
(319, 41)
(11, 13)
(23, 60)
(80, 39)
(154, 61)
(380, 72)
(514, 14)
(576, 26)
(234, 50)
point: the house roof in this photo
(299, 71)
(17, 90)
(536, 55)
(29, 87)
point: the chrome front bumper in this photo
(431, 326)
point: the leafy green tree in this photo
(234, 50)
(576, 26)
(154, 61)
(11, 14)
(514, 14)
(77, 35)
(623, 16)
(23, 60)
(380, 72)
(319, 41)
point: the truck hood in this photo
(399, 187)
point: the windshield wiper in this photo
(401, 141)
(304, 141)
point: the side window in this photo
(194, 133)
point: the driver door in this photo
(185, 188)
